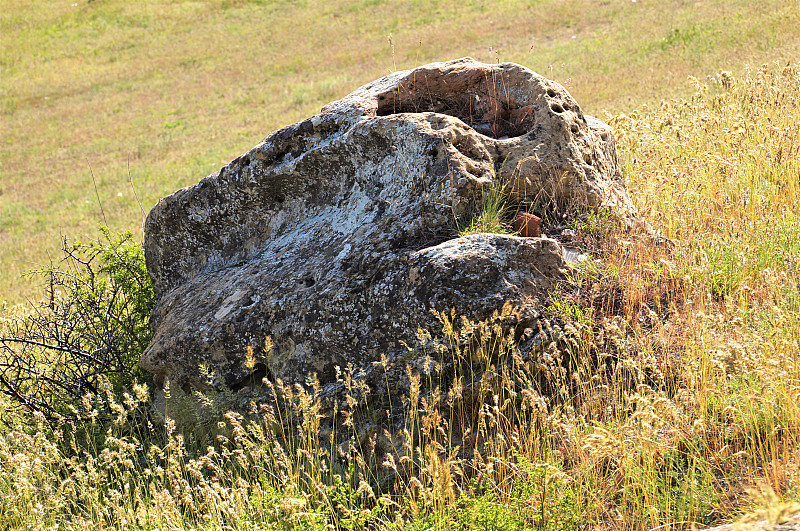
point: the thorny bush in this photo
(92, 323)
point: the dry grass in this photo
(164, 93)
(667, 394)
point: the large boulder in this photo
(336, 236)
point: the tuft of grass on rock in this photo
(493, 213)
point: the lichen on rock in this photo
(335, 236)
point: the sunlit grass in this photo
(669, 393)
(665, 392)
(164, 93)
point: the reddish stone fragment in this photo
(527, 224)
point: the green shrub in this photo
(93, 323)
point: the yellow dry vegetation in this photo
(163, 93)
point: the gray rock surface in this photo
(336, 236)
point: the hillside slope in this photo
(101, 99)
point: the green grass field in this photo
(161, 94)
(675, 404)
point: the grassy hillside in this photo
(159, 94)
(672, 400)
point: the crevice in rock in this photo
(479, 103)
(499, 124)
(253, 380)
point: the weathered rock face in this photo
(335, 236)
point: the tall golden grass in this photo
(665, 393)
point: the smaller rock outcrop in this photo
(336, 236)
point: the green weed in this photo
(494, 211)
